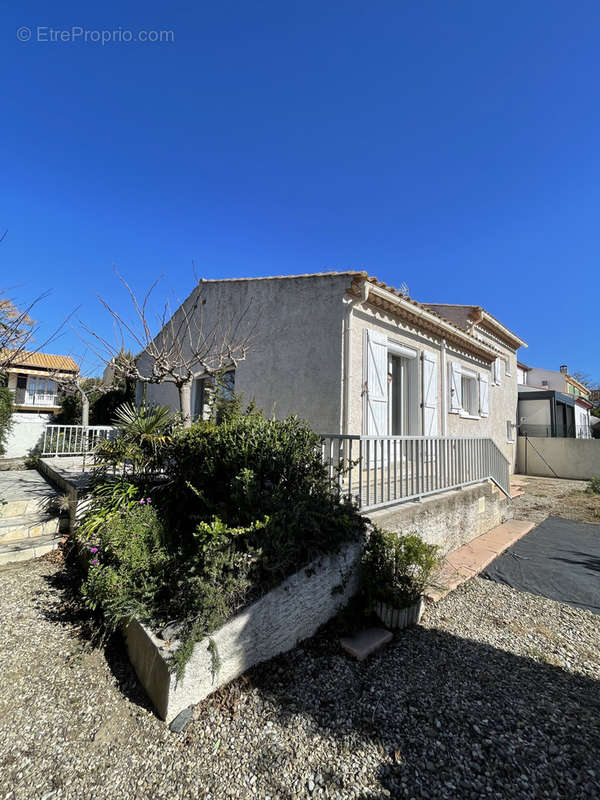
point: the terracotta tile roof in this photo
(44, 361)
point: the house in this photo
(553, 404)
(354, 356)
(33, 380)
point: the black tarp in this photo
(559, 559)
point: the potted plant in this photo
(395, 571)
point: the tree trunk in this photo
(85, 407)
(185, 403)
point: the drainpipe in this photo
(347, 355)
(444, 377)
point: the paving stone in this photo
(366, 642)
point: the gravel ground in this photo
(495, 695)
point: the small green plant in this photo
(396, 568)
(594, 485)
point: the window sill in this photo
(464, 415)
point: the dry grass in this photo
(555, 497)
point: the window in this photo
(470, 400)
(210, 394)
(507, 371)
(469, 394)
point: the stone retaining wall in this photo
(272, 625)
(450, 519)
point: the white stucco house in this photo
(33, 379)
(354, 356)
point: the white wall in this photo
(555, 380)
(294, 361)
(26, 431)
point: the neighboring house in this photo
(351, 355)
(32, 379)
(559, 381)
(553, 404)
(522, 372)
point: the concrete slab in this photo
(366, 642)
(468, 560)
(24, 492)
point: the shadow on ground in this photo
(66, 608)
(448, 717)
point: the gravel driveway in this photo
(496, 695)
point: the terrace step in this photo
(28, 526)
(26, 549)
(24, 492)
(471, 558)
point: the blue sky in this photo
(452, 146)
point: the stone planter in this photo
(398, 618)
(273, 624)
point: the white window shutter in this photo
(498, 371)
(455, 387)
(376, 388)
(484, 396)
(430, 394)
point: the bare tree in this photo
(190, 343)
(584, 379)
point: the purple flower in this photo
(142, 501)
(93, 549)
(148, 499)
(95, 562)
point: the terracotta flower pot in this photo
(398, 618)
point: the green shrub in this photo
(396, 569)
(594, 485)
(6, 407)
(127, 560)
(240, 503)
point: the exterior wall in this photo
(502, 398)
(26, 431)
(577, 459)
(451, 519)
(556, 380)
(363, 317)
(294, 361)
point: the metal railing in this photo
(558, 431)
(74, 440)
(23, 397)
(379, 471)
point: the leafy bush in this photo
(127, 559)
(6, 407)
(396, 569)
(594, 485)
(249, 468)
(238, 505)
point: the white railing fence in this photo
(382, 470)
(74, 440)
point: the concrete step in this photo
(24, 492)
(26, 549)
(471, 558)
(366, 642)
(28, 527)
